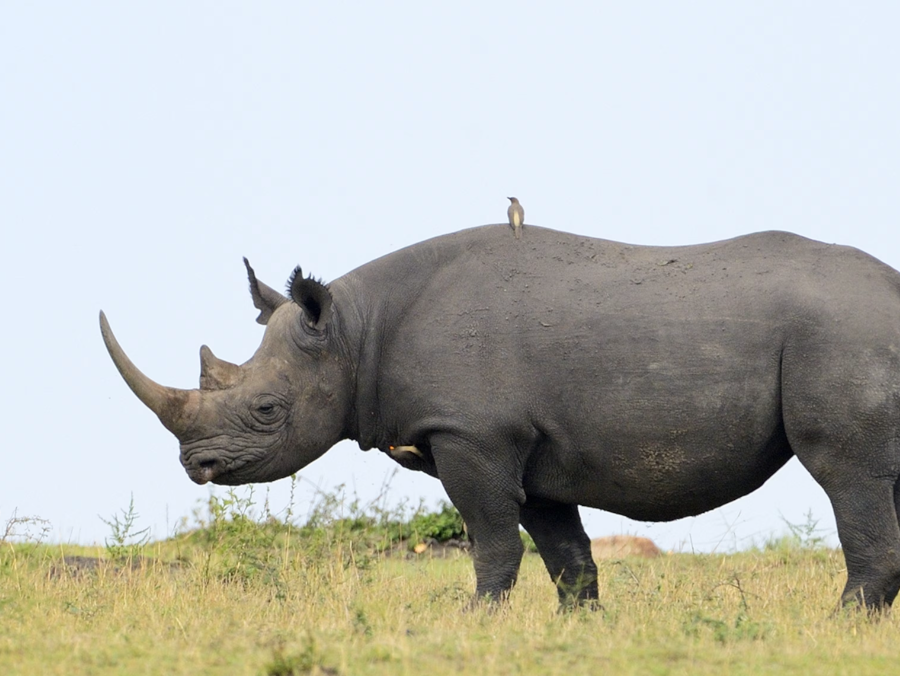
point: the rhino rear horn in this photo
(176, 409)
(265, 298)
(216, 374)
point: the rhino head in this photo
(267, 418)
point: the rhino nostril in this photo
(205, 469)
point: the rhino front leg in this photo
(565, 548)
(488, 496)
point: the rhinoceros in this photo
(532, 376)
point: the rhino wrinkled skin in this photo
(537, 375)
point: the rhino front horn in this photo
(175, 408)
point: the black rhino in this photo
(532, 376)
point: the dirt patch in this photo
(623, 546)
(78, 566)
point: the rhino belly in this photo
(664, 471)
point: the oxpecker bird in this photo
(516, 216)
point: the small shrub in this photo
(806, 535)
(305, 661)
(22, 528)
(446, 524)
(125, 543)
(743, 628)
(241, 542)
(800, 538)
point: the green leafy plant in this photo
(125, 543)
(441, 526)
(241, 541)
(304, 661)
(741, 629)
(806, 536)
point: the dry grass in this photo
(333, 609)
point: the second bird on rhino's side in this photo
(653, 382)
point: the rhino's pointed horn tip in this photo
(106, 331)
(172, 406)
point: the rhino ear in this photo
(265, 298)
(312, 296)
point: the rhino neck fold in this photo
(360, 339)
(365, 418)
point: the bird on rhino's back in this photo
(516, 215)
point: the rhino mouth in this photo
(203, 467)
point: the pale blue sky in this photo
(146, 147)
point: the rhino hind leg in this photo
(862, 488)
(865, 509)
(847, 438)
(566, 550)
(870, 537)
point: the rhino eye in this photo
(266, 409)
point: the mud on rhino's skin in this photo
(537, 375)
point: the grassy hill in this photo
(246, 593)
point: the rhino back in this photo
(619, 371)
